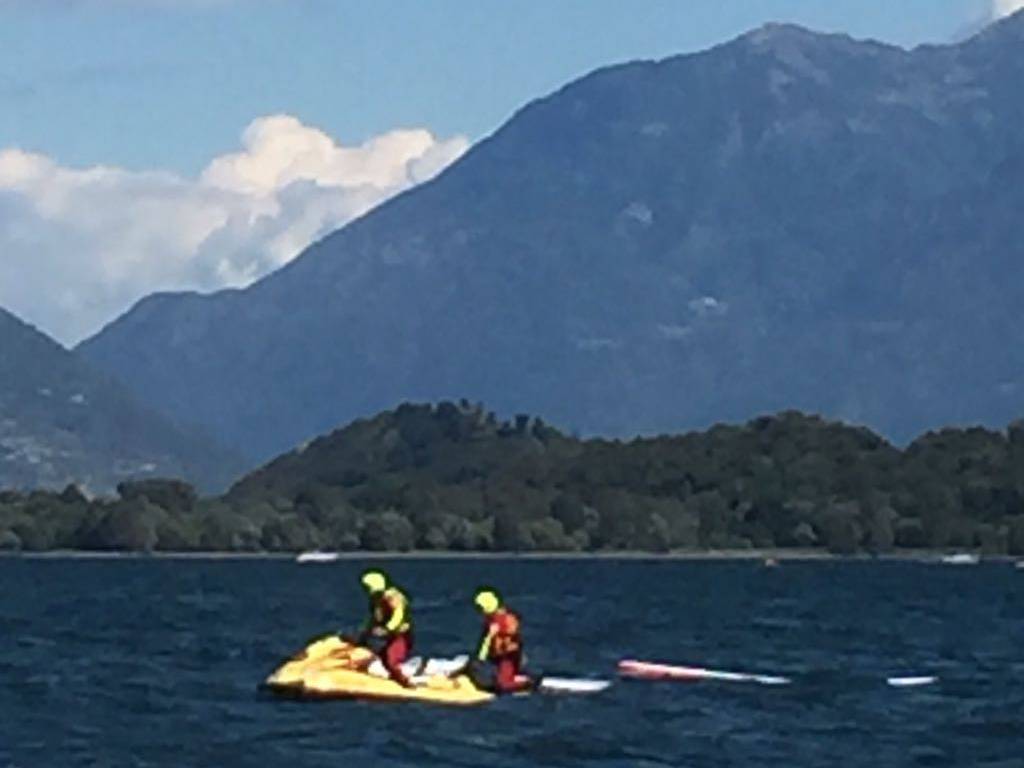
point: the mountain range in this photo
(63, 422)
(788, 220)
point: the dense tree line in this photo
(453, 477)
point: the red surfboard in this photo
(647, 670)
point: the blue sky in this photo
(152, 145)
(171, 83)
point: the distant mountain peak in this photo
(797, 46)
(775, 31)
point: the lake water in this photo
(144, 662)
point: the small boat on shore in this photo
(961, 558)
(911, 682)
(316, 557)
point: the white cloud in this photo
(1002, 8)
(79, 246)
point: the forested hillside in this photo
(454, 477)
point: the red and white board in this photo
(646, 670)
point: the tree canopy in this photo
(453, 477)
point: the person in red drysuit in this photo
(501, 644)
(391, 620)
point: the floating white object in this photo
(444, 666)
(645, 670)
(317, 557)
(420, 672)
(417, 669)
(572, 685)
(909, 682)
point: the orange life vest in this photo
(506, 635)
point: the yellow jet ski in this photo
(332, 668)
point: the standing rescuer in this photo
(389, 619)
(501, 643)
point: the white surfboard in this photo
(572, 685)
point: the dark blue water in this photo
(156, 663)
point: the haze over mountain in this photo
(789, 220)
(62, 422)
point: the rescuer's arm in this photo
(485, 644)
(397, 615)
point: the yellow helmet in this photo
(487, 600)
(374, 581)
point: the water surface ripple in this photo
(152, 662)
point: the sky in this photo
(150, 145)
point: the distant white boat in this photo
(911, 682)
(317, 557)
(962, 558)
(1020, 565)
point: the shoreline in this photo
(720, 555)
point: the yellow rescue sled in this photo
(331, 668)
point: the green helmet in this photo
(487, 600)
(374, 581)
